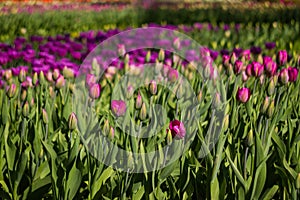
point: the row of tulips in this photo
(45, 134)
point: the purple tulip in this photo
(284, 76)
(255, 50)
(249, 70)
(177, 129)
(257, 68)
(238, 66)
(282, 57)
(293, 74)
(246, 54)
(271, 67)
(172, 75)
(225, 60)
(270, 45)
(118, 107)
(94, 91)
(243, 94)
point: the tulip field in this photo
(120, 108)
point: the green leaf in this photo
(10, 149)
(139, 194)
(73, 182)
(108, 172)
(269, 193)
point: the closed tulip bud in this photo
(60, 82)
(226, 122)
(121, 50)
(55, 74)
(153, 87)
(68, 73)
(257, 69)
(271, 68)
(243, 94)
(172, 75)
(225, 60)
(250, 141)
(179, 91)
(293, 74)
(8, 74)
(271, 108)
(23, 95)
(49, 76)
(11, 90)
(176, 43)
(161, 55)
(45, 116)
(217, 100)
(244, 76)
(138, 101)
(199, 96)
(130, 92)
(233, 58)
(143, 112)
(35, 78)
(25, 110)
(72, 121)
(42, 77)
(298, 181)
(271, 87)
(148, 56)
(118, 107)
(169, 137)
(282, 57)
(284, 76)
(265, 105)
(106, 128)
(22, 75)
(111, 133)
(238, 66)
(31, 102)
(249, 69)
(51, 92)
(126, 59)
(94, 91)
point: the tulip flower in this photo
(11, 90)
(45, 116)
(153, 87)
(118, 107)
(293, 74)
(249, 69)
(243, 94)
(177, 129)
(238, 66)
(72, 121)
(271, 67)
(143, 112)
(257, 69)
(138, 101)
(172, 75)
(284, 76)
(25, 110)
(282, 57)
(94, 91)
(60, 82)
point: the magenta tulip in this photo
(177, 129)
(243, 94)
(118, 107)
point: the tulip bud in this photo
(22, 75)
(265, 105)
(298, 181)
(257, 68)
(143, 112)
(138, 101)
(271, 87)
(176, 43)
(282, 57)
(106, 128)
(244, 76)
(45, 116)
(121, 50)
(199, 96)
(118, 107)
(35, 78)
(94, 91)
(172, 75)
(249, 70)
(148, 56)
(284, 76)
(225, 60)
(153, 87)
(130, 91)
(126, 59)
(42, 77)
(243, 94)
(23, 95)
(250, 138)
(169, 137)
(25, 110)
(271, 108)
(49, 76)
(11, 90)
(8, 74)
(217, 100)
(161, 55)
(111, 133)
(238, 66)
(179, 91)
(51, 92)
(226, 122)
(233, 58)
(293, 74)
(72, 121)
(55, 74)
(60, 82)
(68, 73)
